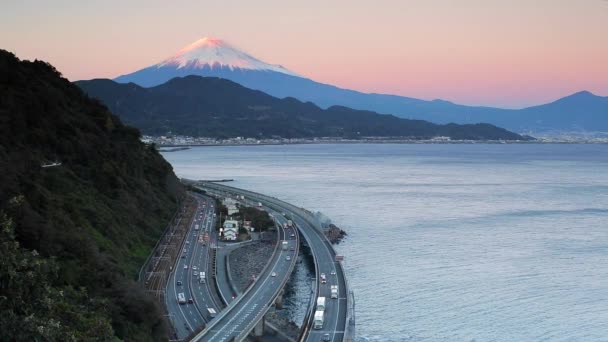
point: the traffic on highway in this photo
(189, 299)
(330, 310)
(241, 316)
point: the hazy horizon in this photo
(488, 53)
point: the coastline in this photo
(185, 146)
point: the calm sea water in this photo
(450, 242)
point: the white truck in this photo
(285, 245)
(334, 291)
(319, 318)
(321, 304)
(212, 312)
(181, 298)
(202, 277)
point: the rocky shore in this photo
(335, 234)
(248, 261)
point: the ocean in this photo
(471, 242)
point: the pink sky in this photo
(480, 52)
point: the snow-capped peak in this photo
(212, 53)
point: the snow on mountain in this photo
(211, 57)
(215, 53)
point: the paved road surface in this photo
(336, 309)
(194, 258)
(241, 315)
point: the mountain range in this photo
(216, 107)
(216, 58)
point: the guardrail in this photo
(281, 206)
(312, 221)
(261, 314)
(239, 298)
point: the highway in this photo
(243, 313)
(336, 312)
(194, 258)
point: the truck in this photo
(211, 312)
(318, 320)
(181, 298)
(334, 291)
(289, 223)
(321, 304)
(196, 227)
(323, 278)
(285, 245)
(202, 278)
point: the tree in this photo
(33, 309)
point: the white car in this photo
(332, 272)
(273, 274)
(194, 267)
(185, 267)
(195, 273)
(288, 257)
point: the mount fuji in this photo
(217, 58)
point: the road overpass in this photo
(247, 311)
(339, 317)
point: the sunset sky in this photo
(511, 53)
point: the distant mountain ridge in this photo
(216, 58)
(215, 107)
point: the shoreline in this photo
(398, 142)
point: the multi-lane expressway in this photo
(241, 316)
(185, 277)
(336, 311)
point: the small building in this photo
(230, 230)
(247, 225)
(232, 209)
(231, 205)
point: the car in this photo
(194, 267)
(293, 235)
(190, 300)
(292, 248)
(185, 267)
(187, 242)
(195, 273)
(288, 257)
(179, 282)
(273, 274)
(183, 256)
(326, 337)
(332, 272)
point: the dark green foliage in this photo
(98, 214)
(33, 309)
(259, 218)
(214, 107)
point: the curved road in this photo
(336, 313)
(242, 314)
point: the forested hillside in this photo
(75, 232)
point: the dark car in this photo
(179, 282)
(326, 337)
(190, 300)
